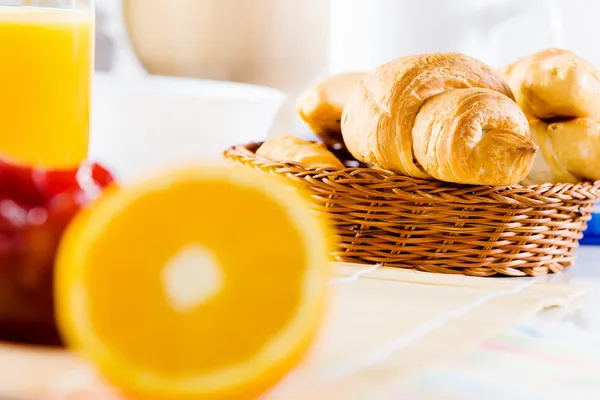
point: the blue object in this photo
(592, 235)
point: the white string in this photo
(355, 276)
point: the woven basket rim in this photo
(434, 226)
(531, 194)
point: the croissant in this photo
(560, 94)
(321, 106)
(444, 116)
(289, 148)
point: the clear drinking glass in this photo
(46, 53)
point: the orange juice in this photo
(45, 76)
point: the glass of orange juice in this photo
(46, 64)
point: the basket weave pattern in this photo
(433, 226)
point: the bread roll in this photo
(445, 116)
(289, 148)
(321, 106)
(560, 94)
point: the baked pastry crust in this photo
(290, 148)
(560, 94)
(321, 105)
(442, 115)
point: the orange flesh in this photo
(141, 247)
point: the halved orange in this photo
(199, 283)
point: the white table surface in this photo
(583, 314)
(554, 355)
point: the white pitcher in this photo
(367, 33)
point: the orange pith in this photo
(270, 255)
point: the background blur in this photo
(288, 43)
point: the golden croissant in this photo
(321, 106)
(289, 148)
(560, 94)
(445, 116)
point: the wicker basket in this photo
(433, 226)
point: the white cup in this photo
(141, 125)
